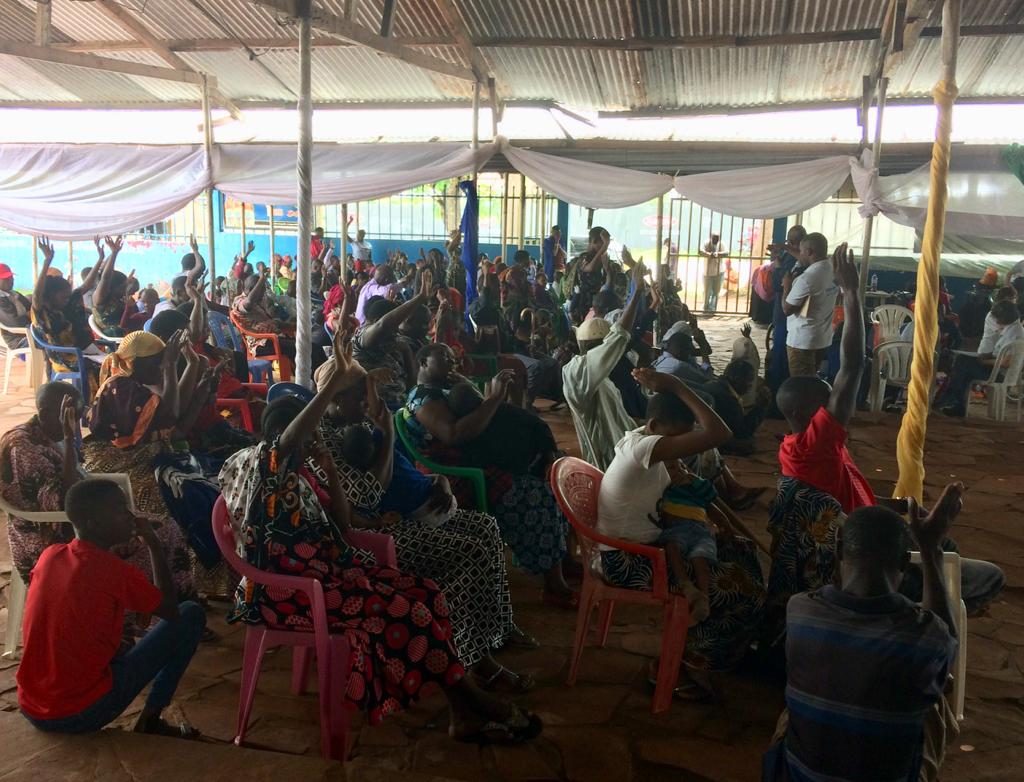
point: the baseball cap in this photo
(5, 272)
(595, 328)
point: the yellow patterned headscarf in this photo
(138, 344)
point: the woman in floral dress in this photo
(398, 625)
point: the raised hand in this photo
(69, 418)
(99, 247)
(193, 243)
(929, 530)
(114, 243)
(172, 350)
(426, 283)
(250, 247)
(845, 269)
(501, 382)
(131, 274)
(342, 349)
(655, 382)
(638, 273)
(46, 248)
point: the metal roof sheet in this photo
(715, 77)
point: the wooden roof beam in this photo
(335, 25)
(460, 34)
(128, 22)
(44, 30)
(29, 51)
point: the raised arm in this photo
(437, 418)
(199, 268)
(383, 465)
(388, 325)
(713, 431)
(929, 531)
(255, 295)
(842, 403)
(47, 250)
(94, 273)
(629, 313)
(197, 320)
(106, 278)
(305, 424)
(167, 413)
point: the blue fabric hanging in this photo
(470, 238)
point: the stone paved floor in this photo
(602, 728)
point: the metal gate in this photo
(746, 240)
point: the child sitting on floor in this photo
(687, 534)
(73, 676)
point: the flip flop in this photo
(160, 727)
(521, 727)
(507, 682)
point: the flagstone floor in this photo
(601, 728)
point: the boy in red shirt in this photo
(815, 453)
(73, 678)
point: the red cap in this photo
(5, 272)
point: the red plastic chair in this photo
(243, 406)
(332, 650)
(283, 362)
(576, 486)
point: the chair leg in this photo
(604, 621)
(334, 732)
(246, 414)
(302, 656)
(7, 371)
(15, 611)
(252, 660)
(582, 626)
(673, 643)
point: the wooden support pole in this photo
(876, 152)
(910, 442)
(243, 228)
(343, 239)
(522, 212)
(211, 249)
(273, 243)
(304, 175)
(504, 217)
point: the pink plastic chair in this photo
(332, 651)
(576, 486)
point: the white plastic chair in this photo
(889, 320)
(99, 334)
(999, 391)
(951, 571)
(18, 591)
(10, 354)
(891, 367)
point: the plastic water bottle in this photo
(874, 282)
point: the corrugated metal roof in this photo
(714, 77)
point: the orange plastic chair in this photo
(243, 406)
(576, 486)
(278, 355)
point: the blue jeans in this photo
(694, 539)
(160, 657)
(712, 285)
(980, 583)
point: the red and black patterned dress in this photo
(397, 624)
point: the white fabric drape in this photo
(69, 191)
(593, 185)
(342, 173)
(767, 191)
(984, 203)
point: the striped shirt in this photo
(862, 674)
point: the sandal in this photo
(506, 682)
(160, 727)
(521, 726)
(518, 639)
(569, 602)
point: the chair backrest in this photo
(1013, 355)
(39, 517)
(576, 486)
(890, 319)
(225, 336)
(96, 330)
(224, 534)
(282, 389)
(893, 361)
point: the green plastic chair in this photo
(472, 474)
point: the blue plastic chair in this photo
(147, 326)
(283, 389)
(78, 379)
(226, 337)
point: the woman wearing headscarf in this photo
(397, 624)
(39, 463)
(460, 549)
(136, 424)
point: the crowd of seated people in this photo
(400, 343)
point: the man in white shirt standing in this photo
(714, 251)
(362, 251)
(809, 301)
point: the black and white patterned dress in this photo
(465, 556)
